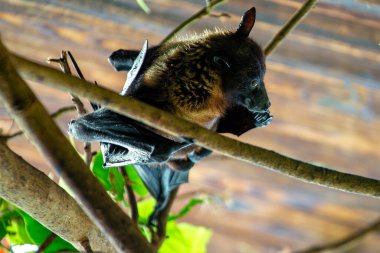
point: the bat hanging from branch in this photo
(214, 79)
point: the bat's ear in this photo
(246, 23)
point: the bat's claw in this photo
(180, 164)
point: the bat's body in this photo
(214, 79)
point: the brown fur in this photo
(187, 81)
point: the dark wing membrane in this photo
(122, 59)
(137, 143)
(239, 120)
(160, 181)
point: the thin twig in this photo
(203, 12)
(77, 69)
(11, 136)
(160, 235)
(63, 63)
(344, 242)
(85, 243)
(62, 111)
(46, 243)
(54, 115)
(131, 195)
(87, 145)
(292, 22)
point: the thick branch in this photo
(35, 121)
(20, 183)
(292, 23)
(181, 128)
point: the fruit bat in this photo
(214, 79)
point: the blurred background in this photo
(323, 82)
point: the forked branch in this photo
(37, 124)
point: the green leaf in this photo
(3, 205)
(187, 208)
(14, 225)
(100, 173)
(3, 230)
(145, 208)
(137, 184)
(38, 234)
(16, 232)
(184, 237)
(117, 182)
(3, 220)
(113, 180)
(143, 6)
(146, 232)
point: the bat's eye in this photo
(222, 62)
(254, 84)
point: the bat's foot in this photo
(198, 155)
(180, 164)
(163, 153)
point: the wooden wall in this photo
(323, 83)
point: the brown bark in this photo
(36, 123)
(34, 192)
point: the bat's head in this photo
(241, 64)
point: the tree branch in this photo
(85, 243)
(46, 243)
(160, 235)
(54, 115)
(64, 64)
(344, 242)
(20, 183)
(178, 127)
(131, 196)
(203, 12)
(292, 23)
(35, 121)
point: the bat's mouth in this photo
(263, 118)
